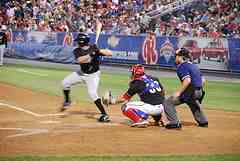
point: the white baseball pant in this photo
(91, 80)
(151, 110)
(2, 47)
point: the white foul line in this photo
(27, 132)
(29, 112)
(20, 109)
(32, 73)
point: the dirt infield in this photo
(31, 125)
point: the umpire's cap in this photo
(82, 39)
(183, 52)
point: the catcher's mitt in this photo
(108, 98)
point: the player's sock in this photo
(99, 105)
(66, 95)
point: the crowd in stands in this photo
(210, 18)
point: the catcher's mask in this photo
(82, 39)
(185, 53)
(137, 71)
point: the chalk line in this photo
(27, 132)
(32, 73)
(30, 112)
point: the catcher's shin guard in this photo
(142, 114)
(130, 113)
(134, 114)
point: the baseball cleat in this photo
(154, 123)
(174, 126)
(104, 118)
(203, 124)
(65, 106)
(141, 124)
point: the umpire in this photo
(190, 92)
(3, 42)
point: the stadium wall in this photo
(208, 53)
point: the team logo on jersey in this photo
(113, 41)
(68, 39)
(149, 52)
(19, 38)
(167, 50)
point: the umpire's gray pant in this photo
(193, 103)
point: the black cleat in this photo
(104, 118)
(203, 124)
(65, 106)
(174, 126)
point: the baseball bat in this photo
(98, 30)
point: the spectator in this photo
(120, 16)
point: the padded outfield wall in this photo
(208, 53)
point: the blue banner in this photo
(125, 48)
(234, 49)
(146, 49)
(41, 46)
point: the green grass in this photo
(118, 158)
(220, 95)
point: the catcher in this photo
(151, 94)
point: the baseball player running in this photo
(151, 94)
(3, 43)
(88, 56)
(191, 91)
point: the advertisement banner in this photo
(234, 49)
(40, 46)
(158, 50)
(208, 53)
(125, 48)
(144, 49)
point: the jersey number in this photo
(154, 87)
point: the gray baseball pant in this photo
(194, 103)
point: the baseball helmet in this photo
(185, 53)
(137, 71)
(82, 39)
